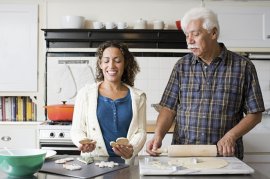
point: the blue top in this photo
(114, 117)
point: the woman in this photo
(112, 107)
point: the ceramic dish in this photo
(50, 153)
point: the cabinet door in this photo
(244, 26)
(15, 136)
(18, 48)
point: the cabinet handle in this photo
(5, 138)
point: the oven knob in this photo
(61, 135)
(52, 135)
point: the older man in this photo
(213, 94)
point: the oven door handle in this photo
(59, 148)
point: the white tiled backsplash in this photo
(155, 72)
(153, 78)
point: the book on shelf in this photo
(17, 108)
(1, 115)
(3, 109)
(7, 108)
(29, 110)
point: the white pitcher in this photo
(140, 24)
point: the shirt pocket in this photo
(190, 95)
(230, 95)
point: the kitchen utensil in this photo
(72, 22)
(87, 171)
(85, 160)
(178, 24)
(98, 25)
(158, 24)
(110, 25)
(140, 24)
(60, 112)
(122, 25)
(50, 153)
(23, 163)
(189, 150)
(235, 166)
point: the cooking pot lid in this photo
(60, 105)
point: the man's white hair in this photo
(208, 17)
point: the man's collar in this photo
(222, 56)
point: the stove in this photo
(56, 136)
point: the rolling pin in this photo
(189, 151)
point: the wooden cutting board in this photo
(87, 171)
(235, 166)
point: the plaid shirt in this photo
(211, 99)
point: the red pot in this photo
(60, 112)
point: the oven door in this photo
(65, 77)
(61, 147)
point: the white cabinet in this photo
(19, 65)
(18, 135)
(244, 26)
(18, 48)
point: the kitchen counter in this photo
(132, 172)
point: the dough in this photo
(113, 144)
(64, 160)
(201, 162)
(72, 166)
(87, 141)
(120, 141)
(109, 164)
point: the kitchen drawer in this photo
(18, 136)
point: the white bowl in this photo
(72, 22)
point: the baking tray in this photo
(87, 171)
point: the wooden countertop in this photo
(151, 125)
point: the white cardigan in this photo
(85, 123)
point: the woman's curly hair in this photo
(131, 67)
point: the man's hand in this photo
(152, 146)
(226, 146)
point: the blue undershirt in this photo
(114, 117)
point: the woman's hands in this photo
(125, 151)
(87, 145)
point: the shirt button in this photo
(202, 134)
(99, 147)
(204, 116)
(94, 129)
